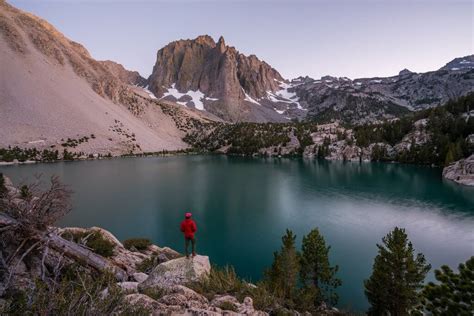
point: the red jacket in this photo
(188, 227)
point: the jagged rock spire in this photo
(221, 44)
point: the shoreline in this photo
(193, 152)
(204, 153)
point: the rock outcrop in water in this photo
(461, 171)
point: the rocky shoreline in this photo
(169, 278)
(461, 171)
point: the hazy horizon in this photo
(341, 38)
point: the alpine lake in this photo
(243, 206)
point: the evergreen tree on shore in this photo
(454, 295)
(282, 277)
(397, 276)
(316, 271)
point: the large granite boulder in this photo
(461, 171)
(139, 300)
(177, 272)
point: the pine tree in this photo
(25, 192)
(67, 155)
(455, 293)
(316, 270)
(397, 275)
(282, 277)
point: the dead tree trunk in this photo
(69, 248)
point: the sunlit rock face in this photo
(126, 76)
(215, 77)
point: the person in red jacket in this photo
(188, 227)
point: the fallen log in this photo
(70, 249)
(81, 254)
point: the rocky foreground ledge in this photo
(164, 290)
(461, 171)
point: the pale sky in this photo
(350, 38)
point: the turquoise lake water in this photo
(243, 205)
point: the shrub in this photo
(263, 299)
(139, 244)
(225, 281)
(154, 293)
(25, 192)
(77, 292)
(221, 281)
(93, 240)
(100, 245)
(148, 264)
(228, 306)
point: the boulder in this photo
(247, 308)
(129, 287)
(177, 272)
(169, 253)
(140, 277)
(188, 293)
(177, 299)
(141, 300)
(461, 171)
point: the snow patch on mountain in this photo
(284, 95)
(250, 99)
(196, 96)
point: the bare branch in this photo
(12, 271)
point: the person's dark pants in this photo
(193, 245)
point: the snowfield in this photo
(196, 97)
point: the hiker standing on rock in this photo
(188, 227)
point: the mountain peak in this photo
(205, 40)
(460, 63)
(221, 44)
(228, 83)
(405, 72)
